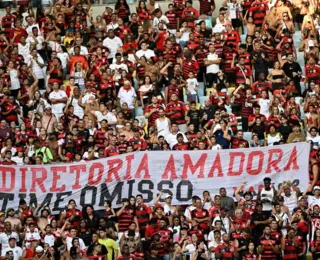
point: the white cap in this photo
(47, 106)
(300, 198)
(39, 249)
(316, 188)
(168, 196)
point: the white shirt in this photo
(63, 56)
(192, 84)
(55, 46)
(121, 66)
(164, 19)
(87, 97)
(110, 117)
(147, 53)
(187, 212)
(172, 138)
(78, 111)
(30, 27)
(112, 26)
(112, 45)
(264, 107)
(127, 96)
(213, 244)
(291, 202)
(37, 70)
(40, 40)
(17, 252)
(312, 200)
(82, 246)
(83, 50)
(315, 140)
(4, 239)
(225, 222)
(49, 239)
(24, 50)
(213, 68)
(58, 107)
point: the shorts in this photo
(299, 18)
(236, 23)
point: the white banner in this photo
(179, 173)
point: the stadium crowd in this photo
(76, 87)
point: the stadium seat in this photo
(202, 99)
(201, 89)
(229, 110)
(247, 136)
(138, 111)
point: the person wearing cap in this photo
(7, 235)
(7, 160)
(30, 251)
(47, 118)
(17, 251)
(313, 199)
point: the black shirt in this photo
(210, 113)
(289, 68)
(285, 130)
(257, 231)
(194, 116)
(260, 63)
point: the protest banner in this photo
(181, 174)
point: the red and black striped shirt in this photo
(154, 116)
(179, 109)
(125, 219)
(142, 213)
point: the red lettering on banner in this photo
(216, 166)
(188, 164)
(292, 160)
(38, 180)
(250, 162)
(23, 180)
(143, 166)
(114, 167)
(77, 169)
(91, 179)
(170, 168)
(56, 177)
(273, 163)
(129, 159)
(233, 155)
(12, 179)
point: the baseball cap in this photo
(316, 188)
(224, 208)
(168, 196)
(39, 249)
(300, 198)
(280, 198)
